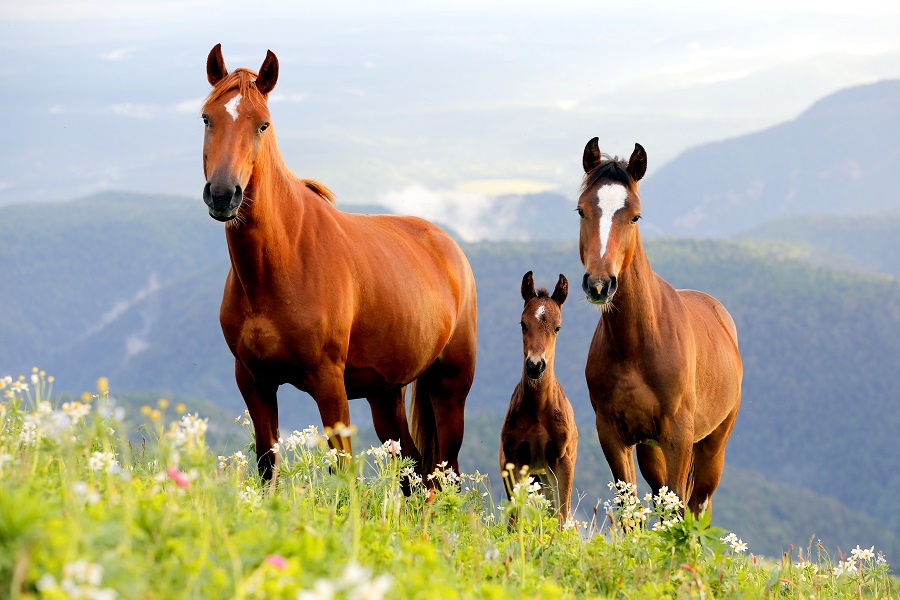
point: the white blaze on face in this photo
(611, 198)
(232, 106)
(540, 311)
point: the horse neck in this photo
(632, 320)
(541, 392)
(259, 243)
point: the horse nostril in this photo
(237, 197)
(584, 282)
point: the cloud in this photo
(189, 106)
(134, 111)
(119, 54)
(471, 214)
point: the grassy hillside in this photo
(87, 513)
(820, 347)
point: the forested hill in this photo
(868, 242)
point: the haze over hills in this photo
(129, 286)
(839, 157)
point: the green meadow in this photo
(102, 500)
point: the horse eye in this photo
(205, 120)
(524, 326)
(636, 218)
(263, 127)
(557, 329)
(580, 212)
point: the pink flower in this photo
(178, 477)
(394, 446)
(277, 561)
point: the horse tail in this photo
(423, 425)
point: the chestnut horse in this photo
(338, 305)
(663, 370)
(539, 429)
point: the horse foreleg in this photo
(331, 398)
(619, 455)
(676, 442)
(262, 404)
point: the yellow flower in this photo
(180, 408)
(163, 403)
(146, 410)
(85, 397)
(155, 415)
(103, 385)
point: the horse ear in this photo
(268, 74)
(215, 65)
(592, 155)
(637, 164)
(528, 287)
(561, 292)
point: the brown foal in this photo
(539, 430)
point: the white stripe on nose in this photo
(610, 199)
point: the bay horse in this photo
(338, 305)
(664, 369)
(539, 430)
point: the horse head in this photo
(609, 207)
(236, 117)
(541, 321)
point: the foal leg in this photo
(709, 459)
(389, 420)
(262, 404)
(565, 473)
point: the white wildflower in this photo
(103, 461)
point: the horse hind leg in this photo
(389, 420)
(262, 404)
(709, 460)
(447, 382)
(653, 466)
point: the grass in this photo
(93, 506)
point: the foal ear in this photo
(592, 155)
(268, 74)
(637, 164)
(528, 287)
(215, 65)
(561, 292)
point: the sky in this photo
(433, 107)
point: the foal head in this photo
(237, 122)
(541, 320)
(609, 208)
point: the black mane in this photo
(614, 169)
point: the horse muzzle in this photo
(534, 369)
(223, 200)
(599, 291)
